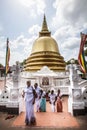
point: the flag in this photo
(7, 56)
(81, 56)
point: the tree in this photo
(86, 43)
(22, 63)
(69, 62)
(1, 65)
(85, 52)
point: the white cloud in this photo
(78, 12)
(16, 56)
(36, 7)
(2, 50)
(34, 30)
(71, 43)
(1, 28)
(70, 19)
(2, 55)
(70, 11)
(69, 54)
(21, 48)
(2, 42)
(28, 47)
(68, 46)
(20, 41)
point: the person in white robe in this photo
(52, 96)
(29, 96)
(37, 100)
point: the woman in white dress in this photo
(29, 95)
(52, 96)
(37, 100)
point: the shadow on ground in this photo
(7, 124)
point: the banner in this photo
(7, 56)
(81, 56)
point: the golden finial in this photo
(44, 31)
(44, 25)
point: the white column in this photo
(75, 103)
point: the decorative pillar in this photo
(13, 103)
(75, 102)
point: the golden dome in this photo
(45, 52)
(45, 44)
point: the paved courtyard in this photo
(45, 120)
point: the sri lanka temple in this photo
(45, 66)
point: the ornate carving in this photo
(45, 81)
(76, 94)
(14, 95)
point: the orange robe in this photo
(59, 105)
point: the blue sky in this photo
(21, 21)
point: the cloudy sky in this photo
(21, 20)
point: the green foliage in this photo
(86, 44)
(22, 63)
(69, 62)
(85, 52)
(1, 65)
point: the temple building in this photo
(46, 67)
(45, 52)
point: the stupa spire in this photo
(44, 25)
(44, 31)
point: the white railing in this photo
(83, 83)
(9, 84)
(64, 89)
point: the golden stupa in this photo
(45, 52)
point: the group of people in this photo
(56, 98)
(35, 95)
